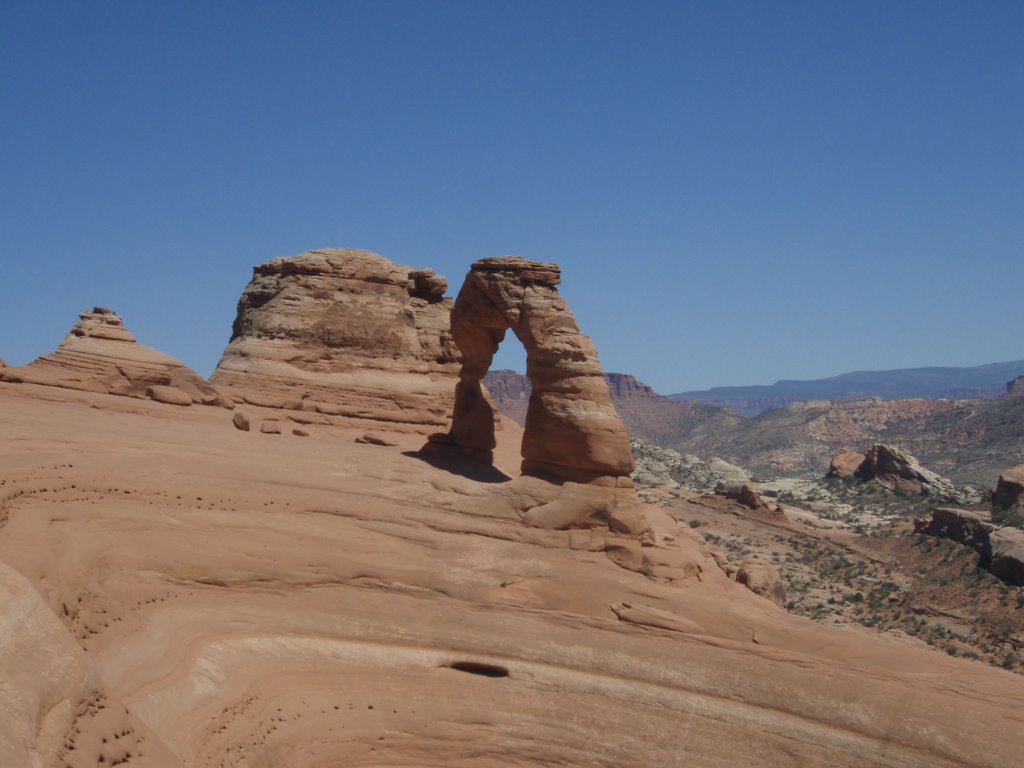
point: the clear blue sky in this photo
(737, 191)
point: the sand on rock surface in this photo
(233, 598)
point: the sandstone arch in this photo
(572, 428)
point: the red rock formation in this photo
(845, 463)
(101, 355)
(899, 471)
(761, 578)
(576, 455)
(1000, 550)
(1008, 555)
(344, 332)
(572, 429)
(302, 603)
(1009, 491)
(748, 497)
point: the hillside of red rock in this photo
(242, 598)
(181, 590)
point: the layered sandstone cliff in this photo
(100, 354)
(344, 332)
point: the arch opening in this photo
(572, 430)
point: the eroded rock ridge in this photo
(345, 332)
(100, 354)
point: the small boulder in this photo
(845, 463)
(762, 578)
(270, 428)
(241, 421)
(749, 498)
(1009, 491)
(169, 395)
(300, 433)
(1008, 555)
(965, 526)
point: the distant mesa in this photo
(980, 382)
(344, 332)
(101, 355)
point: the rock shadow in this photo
(456, 465)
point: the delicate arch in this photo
(572, 427)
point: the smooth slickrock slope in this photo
(100, 355)
(274, 601)
(344, 332)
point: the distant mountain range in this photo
(980, 382)
(967, 439)
(646, 414)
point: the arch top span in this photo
(572, 429)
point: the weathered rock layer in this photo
(101, 355)
(344, 332)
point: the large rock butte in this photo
(101, 355)
(343, 332)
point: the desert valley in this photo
(355, 546)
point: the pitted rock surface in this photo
(344, 332)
